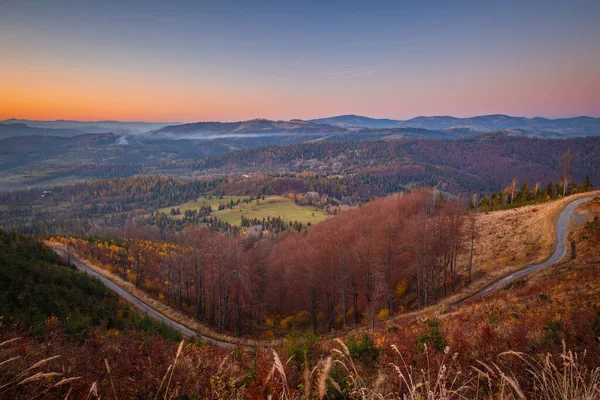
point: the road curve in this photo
(141, 305)
(560, 251)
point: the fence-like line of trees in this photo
(515, 195)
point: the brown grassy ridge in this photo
(506, 336)
(509, 240)
(507, 332)
(506, 241)
(169, 312)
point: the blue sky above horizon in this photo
(190, 61)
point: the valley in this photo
(563, 295)
(375, 248)
(299, 200)
(231, 209)
(559, 216)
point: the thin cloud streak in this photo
(366, 73)
(353, 72)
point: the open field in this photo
(513, 238)
(44, 178)
(273, 206)
(214, 202)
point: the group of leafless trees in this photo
(393, 253)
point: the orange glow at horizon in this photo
(88, 94)
(199, 61)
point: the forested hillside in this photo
(476, 164)
(38, 291)
(338, 273)
(371, 167)
(534, 315)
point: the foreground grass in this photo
(562, 378)
(189, 371)
(527, 341)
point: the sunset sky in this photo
(195, 61)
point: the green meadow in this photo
(271, 206)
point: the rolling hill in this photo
(246, 128)
(564, 127)
(19, 129)
(93, 126)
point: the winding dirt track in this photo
(560, 251)
(140, 304)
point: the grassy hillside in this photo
(36, 291)
(269, 207)
(272, 207)
(506, 346)
(370, 167)
(511, 239)
(212, 201)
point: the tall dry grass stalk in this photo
(279, 368)
(173, 369)
(112, 384)
(443, 379)
(14, 378)
(567, 378)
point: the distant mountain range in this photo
(130, 128)
(20, 129)
(243, 128)
(566, 127)
(343, 127)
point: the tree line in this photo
(378, 259)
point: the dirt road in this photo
(560, 251)
(141, 305)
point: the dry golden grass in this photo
(588, 254)
(564, 377)
(590, 209)
(509, 240)
(169, 312)
(19, 380)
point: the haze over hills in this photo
(242, 128)
(301, 130)
(20, 129)
(470, 164)
(567, 127)
(343, 127)
(26, 150)
(92, 126)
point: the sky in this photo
(207, 61)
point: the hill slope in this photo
(19, 129)
(564, 127)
